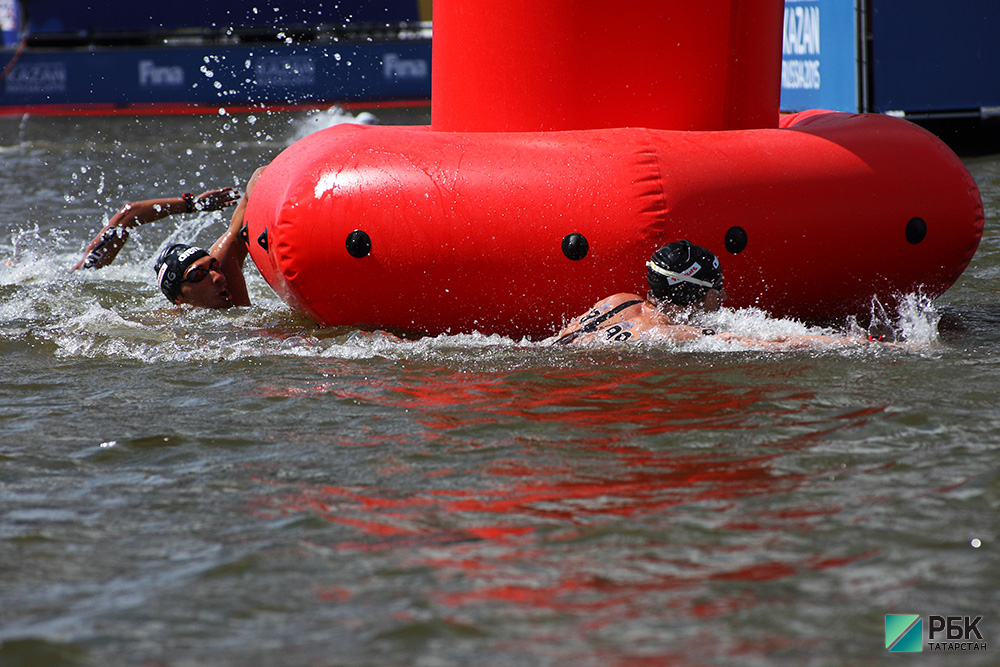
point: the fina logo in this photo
(394, 67)
(150, 74)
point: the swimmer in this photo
(186, 274)
(683, 278)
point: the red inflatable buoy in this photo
(515, 232)
(568, 143)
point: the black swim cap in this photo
(171, 265)
(682, 273)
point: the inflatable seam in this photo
(656, 228)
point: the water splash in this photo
(913, 323)
(758, 324)
(325, 119)
(917, 320)
(117, 312)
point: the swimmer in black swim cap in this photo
(189, 275)
(683, 278)
(210, 278)
(172, 265)
(683, 274)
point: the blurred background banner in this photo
(86, 57)
(920, 59)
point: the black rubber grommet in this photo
(916, 230)
(359, 244)
(575, 246)
(736, 240)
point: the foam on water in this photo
(117, 312)
(917, 320)
(328, 118)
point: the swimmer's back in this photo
(622, 318)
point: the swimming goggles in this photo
(656, 268)
(198, 273)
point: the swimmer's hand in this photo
(214, 200)
(879, 332)
(104, 248)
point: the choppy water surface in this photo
(241, 487)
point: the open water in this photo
(244, 488)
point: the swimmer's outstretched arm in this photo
(231, 252)
(803, 341)
(102, 250)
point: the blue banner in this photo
(227, 76)
(819, 56)
(933, 57)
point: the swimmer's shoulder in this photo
(612, 309)
(607, 313)
(623, 301)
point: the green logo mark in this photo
(904, 632)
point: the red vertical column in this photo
(527, 65)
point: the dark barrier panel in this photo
(91, 16)
(932, 56)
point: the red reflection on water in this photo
(592, 525)
(604, 538)
(650, 400)
(629, 483)
(646, 402)
(520, 513)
